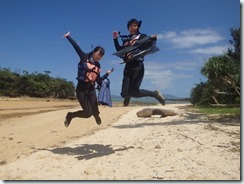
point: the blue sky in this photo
(189, 32)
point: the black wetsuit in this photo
(133, 74)
(85, 91)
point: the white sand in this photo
(187, 146)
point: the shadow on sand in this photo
(88, 151)
(190, 118)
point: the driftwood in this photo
(148, 112)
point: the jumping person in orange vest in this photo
(88, 73)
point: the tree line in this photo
(35, 84)
(223, 74)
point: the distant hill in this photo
(169, 96)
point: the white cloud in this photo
(167, 35)
(190, 38)
(216, 50)
(163, 75)
(182, 65)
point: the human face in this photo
(133, 28)
(97, 56)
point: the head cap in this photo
(133, 21)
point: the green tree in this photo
(223, 74)
(34, 85)
(8, 82)
(62, 88)
(235, 54)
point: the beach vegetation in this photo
(35, 84)
(222, 86)
(231, 111)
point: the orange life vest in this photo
(92, 72)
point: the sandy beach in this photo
(35, 145)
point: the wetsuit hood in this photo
(134, 21)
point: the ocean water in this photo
(149, 100)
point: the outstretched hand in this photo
(110, 71)
(67, 34)
(115, 34)
(154, 36)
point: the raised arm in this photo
(77, 48)
(116, 42)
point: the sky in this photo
(189, 32)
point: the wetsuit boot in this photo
(156, 94)
(159, 97)
(98, 119)
(68, 119)
(126, 101)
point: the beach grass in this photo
(234, 111)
